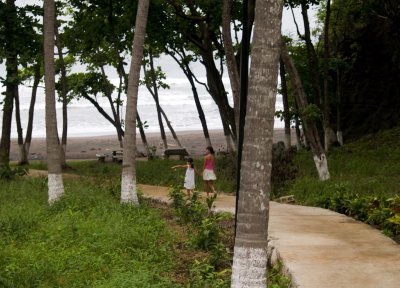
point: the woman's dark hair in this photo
(190, 161)
(211, 149)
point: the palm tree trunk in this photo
(128, 181)
(250, 252)
(55, 180)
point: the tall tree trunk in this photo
(228, 138)
(339, 132)
(28, 136)
(156, 99)
(286, 112)
(329, 135)
(313, 64)
(115, 110)
(183, 63)
(171, 129)
(64, 99)
(231, 64)
(250, 252)
(142, 134)
(11, 82)
(299, 140)
(55, 180)
(21, 150)
(310, 129)
(128, 181)
(217, 92)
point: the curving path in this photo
(320, 248)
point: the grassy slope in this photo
(370, 166)
(86, 240)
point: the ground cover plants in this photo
(87, 239)
(364, 183)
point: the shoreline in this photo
(87, 147)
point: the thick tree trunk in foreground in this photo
(250, 252)
(128, 180)
(55, 180)
(310, 129)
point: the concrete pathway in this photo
(321, 248)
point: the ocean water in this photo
(84, 120)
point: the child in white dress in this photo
(189, 183)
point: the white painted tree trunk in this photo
(128, 178)
(321, 163)
(287, 140)
(245, 257)
(55, 186)
(251, 240)
(339, 135)
(21, 153)
(128, 189)
(55, 181)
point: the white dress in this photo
(189, 179)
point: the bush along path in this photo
(318, 247)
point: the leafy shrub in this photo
(283, 168)
(8, 173)
(204, 275)
(381, 212)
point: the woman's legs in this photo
(206, 186)
(211, 184)
(209, 187)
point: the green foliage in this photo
(9, 173)
(276, 279)
(311, 112)
(204, 275)
(363, 184)
(206, 234)
(87, 239)
(283, 168)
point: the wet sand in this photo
(88, 147)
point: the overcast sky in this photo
(171, 68)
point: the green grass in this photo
(154, 172)
(87, 239)
(368, 167)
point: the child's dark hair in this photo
(211, 149)
(190, 161)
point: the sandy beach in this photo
(88, 147)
